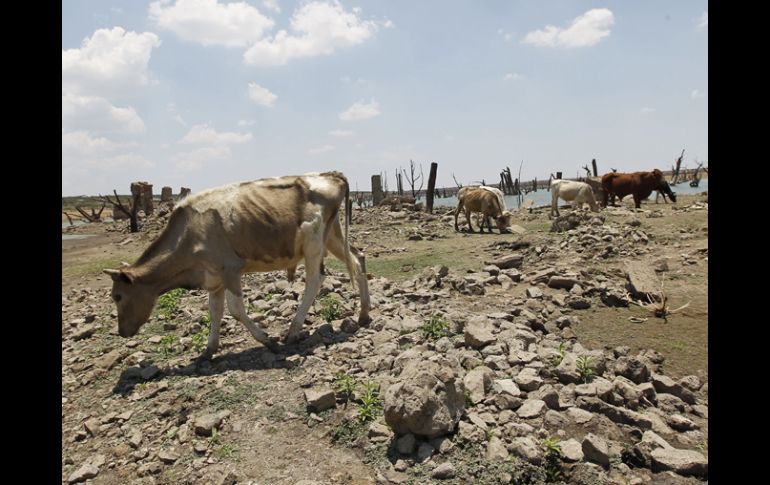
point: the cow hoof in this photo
(206, 356)
(364, 320)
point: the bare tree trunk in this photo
(458, 184)
(131, 212)
(431, 186)
(412, 178)
(68, 217)
(596, 172)
(676, 170)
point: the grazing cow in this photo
(639, 184)
(485, 201)
(578, 193)
(214, 237)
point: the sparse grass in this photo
(371, 403)
(468, 400)
(348, 432)
(330, 308)
(585, 367)
(391, 266)
(436, 327)
(227, 451)
(93, 266)
(200, 339)
(232, 395)
(556, 359)
(168, 303)
(168, 346)
(346, 385)
(552, 459)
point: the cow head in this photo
(666, 189)
(135, 301)
(503, 221)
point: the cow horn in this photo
(123, 264)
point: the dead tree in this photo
(458, 184)
(588, 171)
(93, 216)
(596, 171)
(399, 183)
(69, 218)
(413, 178)
(676, 169)
(431, 186)
(131, 211)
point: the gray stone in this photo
(168, 456)
(506, 386)
(690, 382)
(595, 450)
(680, 423)
(571, 450)
(444, 471)
(632, 368)
(527, 448)
(615, 413)
(320, 399)
(406, 444)
(478, 332)
(424, 452)
(206, 423)
(682, 462)
(511, 261)
(83, 473)
(496, 450)
(108, 360)
(528, 379)
(531, 408)
(534, 292)
(579, 416)
(566, 282)
(477, 382)
(579, 303)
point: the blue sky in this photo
(199, 93)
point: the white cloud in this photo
(703, 21)
(261, 95)
(95, 114)
(513, 76)
(319, 28)
(341, 133)
(111, 61)
(200, 134)
(586, 30)
(325, 148)
(82, 143)
(246, 122)
(696, 94)
(195, 159)
(646, 110)
(178, 119)
(129, 160)
(272, 5)
(361, 111)
(209, 22)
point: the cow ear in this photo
(119, 275)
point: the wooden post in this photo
(183, 192)
(431, 186)
(596, 172)
(558, 175)
(377, 195)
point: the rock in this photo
(528, 448)
(108, 360)
(478, 332)
(528, 379)
(579, 303)
(506, 386)
(424, 452)
(632, 368)
(406, 444)
(642, 279)
(443, 471)
(531, 408)
(349, 325)
(664, 384)
(691, 383)
(83, 473)
(320, 399)
(615, 413)
(477, 381)
(206, 423)
(168, 456)
(579, 416)
(84, 333)
(680, 423)
(595, 450)
(378, 430)
(571, 450)
(496, 450)
(566, 371)
(492, 270)
(564, 282)
(427, 399)
(682, 462)
(511, 261)
(534, 292)
(231, 478)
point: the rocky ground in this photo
(494, 358)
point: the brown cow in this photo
(215, 236)
(479, 199)
(639, 184)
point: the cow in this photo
(214, 237)
(578, 193)
(639, 184)
(487, 202)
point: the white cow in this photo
(578, 193)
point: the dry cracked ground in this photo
(496, 358)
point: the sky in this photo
(201, 93)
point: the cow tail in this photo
(352, 269)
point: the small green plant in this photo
(200, 339)
(436, 327)
(586, 368)
(346, 385)
(215, 439)
(348, 431)
(703, 446)
(168, 303)
(167, 345)
(227, 450)
(206, 319)
(371, 404)
(556, 359)
(468, 399)
(552, 459)
(330, 308)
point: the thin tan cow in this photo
(214, 237)
(485, 201)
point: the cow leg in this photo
(313, 250)
(234, 296)
(457, 211)
(468, 218)
(555, 202)
(336, 245)
(637, 202)
(216, 310)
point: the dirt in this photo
(269, 436)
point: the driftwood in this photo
(131, 211)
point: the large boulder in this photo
(427, 399)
